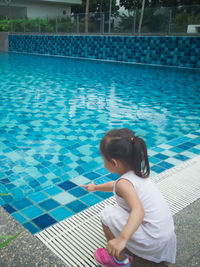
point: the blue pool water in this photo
(54, 112)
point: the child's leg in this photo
(109, 236)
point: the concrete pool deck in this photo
(28, 250)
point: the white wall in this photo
(43, 10)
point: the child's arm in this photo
(126, 190)
(107, 187)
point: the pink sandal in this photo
(103, 258)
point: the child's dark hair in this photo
(122, 144)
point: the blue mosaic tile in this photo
(157, 169)
(44, 221)
(52, 191)
(76, 206)
(102, 180)
(67, 185)
(32, 228)
(22, 203)
(179, 141)
(177, 149)
(118, 48)
(9, 208)
(102, 171)
(181, 157)
(64, 198)
(61, 213)
(32, 212)
(48, 204)
(78, 192)
(19, 217)
(80, 180)
(154, 160)
(37, 197)
(92, 175)
(161, 156)
(165, 165)
(195, 150)
(157, 149)
(113, 176)
(103, 195)
(90, 199)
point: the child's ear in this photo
(114, 162)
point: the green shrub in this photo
(5, 25)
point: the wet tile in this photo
(48, 204)
(76, 206)
(61, 213)
(44, 221)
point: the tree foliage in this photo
(133, 4)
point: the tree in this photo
(86, 15)
(134, 4)
(141, 16)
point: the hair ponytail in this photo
(122, 144)
(140, 157)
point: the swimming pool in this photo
(54, 112)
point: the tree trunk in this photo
(86, 15)
(141, 16)
(101, 17)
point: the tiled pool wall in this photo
(60, 201)
(182, 51)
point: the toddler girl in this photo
(141, 220)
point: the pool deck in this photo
(28, 250)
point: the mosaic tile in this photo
(48, 204)
(19, 217)
(169, 153)
(161, 156)
(9, 208)
(22, 203)
(91, 175)
(76, 206)
(165, 165)
(32, 212)
(157, 169)
(103, 195)
(60, 213)
(102, 171)
(44, 221)
(90, 199)
(113, 176)
(181, 157)
(32, 228)
(173, 161)
(154, 160)
(64, 198)
(78, 192)
(73, 46)
(53, 190)
(67, 185)
(80, 180)
(195, 151)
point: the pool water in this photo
(54, 112)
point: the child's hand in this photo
(90, 187)
(116, 246)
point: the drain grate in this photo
(75, 239)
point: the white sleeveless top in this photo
(155, 239)
(158, 221)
